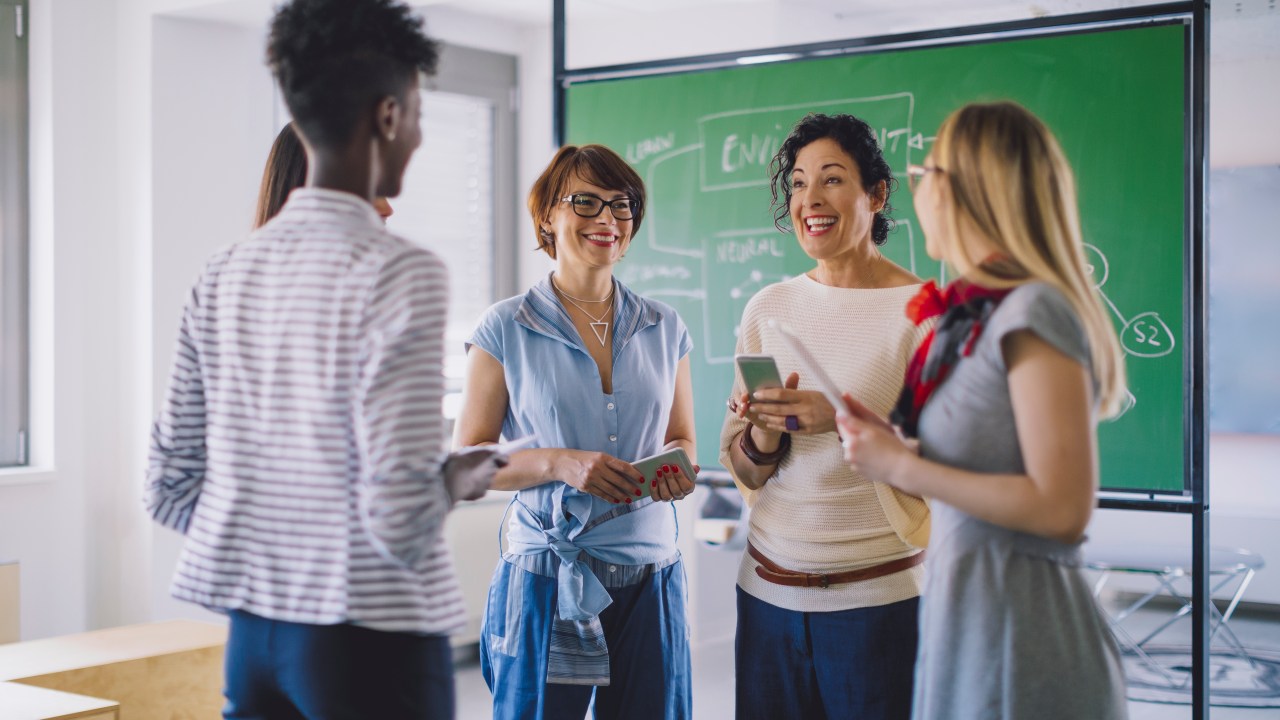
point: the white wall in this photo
(212, 126)
(66, 520)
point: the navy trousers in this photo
(856, 663)
(292, 671)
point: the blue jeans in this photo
(650, 670)
(287, 671)
(856, 663)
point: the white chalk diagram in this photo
(729, 156)
(1144, 335)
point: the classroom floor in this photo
(713, 673)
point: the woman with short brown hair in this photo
(588, 602)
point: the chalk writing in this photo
(742, 250)
(757, 150)
(649, 146)
(642, 273)
(1147, 336)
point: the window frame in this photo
(15, 269)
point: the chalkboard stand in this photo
(1194, 497)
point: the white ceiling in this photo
(1241, 28)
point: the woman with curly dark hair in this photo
(829, 587)
(300, 446)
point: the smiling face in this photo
(589, 242)
(831, 212)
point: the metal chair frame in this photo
(1165, 578)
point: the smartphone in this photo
(758, 372)
(649, 467)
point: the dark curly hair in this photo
(334, 59)
(857, 139)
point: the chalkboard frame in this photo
(1194, 305)
(1193, 498)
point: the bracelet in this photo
(754, 453)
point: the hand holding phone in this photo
(758, 372)
(650, 466)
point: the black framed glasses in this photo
(588, 206)
(916, 173)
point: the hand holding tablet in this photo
(510, 446)
(826, 385)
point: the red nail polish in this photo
(637, 493)
(628, 501)
(655, 483)
(666, 468)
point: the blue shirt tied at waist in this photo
(621, 539)
(555, 391)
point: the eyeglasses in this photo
(588, 206)
(916, 173)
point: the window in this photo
(14, 352)
(458, 198)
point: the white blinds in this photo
(447, 205)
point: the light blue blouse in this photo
(555, 392)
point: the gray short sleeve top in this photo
(969, 423)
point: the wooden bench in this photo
(157, 671)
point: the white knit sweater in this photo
(815, 514)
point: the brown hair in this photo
(286, 169)
(595, 164)
(1011, 180)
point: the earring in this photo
(391, 136)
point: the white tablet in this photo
(810, 365)
(511, 446)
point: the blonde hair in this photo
(1010, 180)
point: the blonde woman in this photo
(1004, 398)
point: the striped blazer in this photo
(300, 444)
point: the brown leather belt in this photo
(782, 576)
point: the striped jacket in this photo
(300, 444)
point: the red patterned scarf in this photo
(964, 308)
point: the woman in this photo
(286, 170)
(298, 448)
(828, 589)
(1026, 358)
(589, 598)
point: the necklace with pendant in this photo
(599, 325)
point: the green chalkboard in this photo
(1116, 98)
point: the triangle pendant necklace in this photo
(601, 329)
(599, 325)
